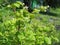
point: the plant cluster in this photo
(20, 27)
(41, 9)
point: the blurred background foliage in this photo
(52, 3)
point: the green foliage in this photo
(44, 8)
(3, 3)
(17, 4)
(19, 27)
(41, 9)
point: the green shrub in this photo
(20, 27)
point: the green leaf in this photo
(21, 37)
(16, 5)
(56, 39)
(1, 33)
(48, 40)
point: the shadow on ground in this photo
(49, 13)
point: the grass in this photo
(52, 17)
(56, 11)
